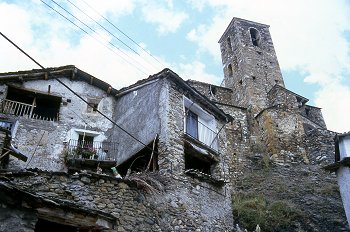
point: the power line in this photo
(113, 25)
(76, 94)
(94, 32)
(95, 38)
(102, 27)
(109, 32)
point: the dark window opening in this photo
(192, 162)
(141, 160)
(229, 43)
(240, 82)
(85, 140)
(276, 81)
(191, 123)
(255, 36)
(307, 111)
(212, 90)
(253, 78)
(230, 70)
(92, 105)
(21, 102)
(308, 128)
(6, 125)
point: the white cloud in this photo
(196, 71)
(308, 37)
(55, 47)
(167, 19)
(334, 102)
(102, 7)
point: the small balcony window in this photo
(199, 124)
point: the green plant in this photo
(85, 152)
(250, 210)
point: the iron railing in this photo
(92, 150)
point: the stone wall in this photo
(137, 112)
(180, 206)
(236, 132)
(250, 71)
(43, 141)
(313, 114)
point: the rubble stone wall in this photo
(181, 206)
(43, 141)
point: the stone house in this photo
(45, 118)
(179, 145)
(341, 167)
(171, 129)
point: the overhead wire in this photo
(103, 27)
(109, 32)
(69, 13)
(76, 94)
(69, 20)
(113, 25)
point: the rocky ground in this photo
(307, 196)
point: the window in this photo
(85, 140)
(193, 162)
(255, 36)
(92, 105)
(37, 105)
(192, 123)
(229, 43)
(212, 90)
(199, 124)
(230, 70)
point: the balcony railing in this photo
(206, 136)
(78, 149)
(23, 109)
(17, 108)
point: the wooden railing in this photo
(17, 108)
(24, 109)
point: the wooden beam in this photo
(109, 90)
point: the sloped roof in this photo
(277, 86)
(234, 19)
(175, 78)
(68, 71)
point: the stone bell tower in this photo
(250, 64)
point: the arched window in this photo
(255, 36)
(228, 40)
(230, 70)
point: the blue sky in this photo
(311, 38)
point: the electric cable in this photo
(94, 38)
(109, 32)
(102, 27)
(76, 94)
(123, 33)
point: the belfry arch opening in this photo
(255, 36)
(230, 70)
(228, 41)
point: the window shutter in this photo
(192, 124)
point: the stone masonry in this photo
(183, 149)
